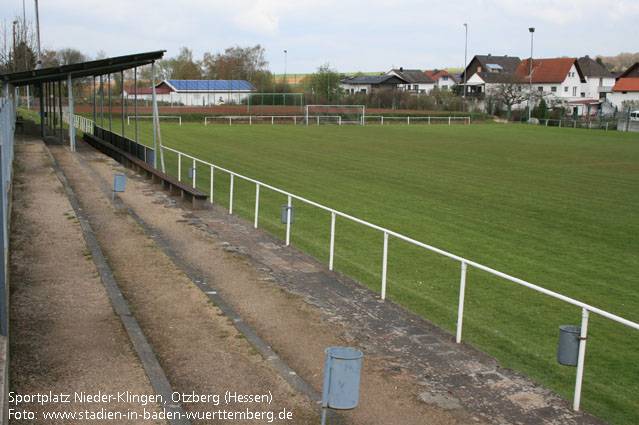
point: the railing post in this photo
(212, 171)
(257, 203)
(179, 166)
(231, 196)
(384, 265)
(288, 222)
(332, 248)
(449, 120)
(582, 358)
(194, 173)
(407, 120)
(460, 311)
(428, 120)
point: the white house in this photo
(560, 80)
(442, 78)
(626, 87)
(416, 81)
(197, 92)
(368, 83)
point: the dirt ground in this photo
(187, 333)
(64, 334)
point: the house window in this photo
(566, 89)
(574, 91)
(553, 89)
(445, 87)
(540, 89)
(583, 94)
(445, 78)
(363, 91)
(415, 87)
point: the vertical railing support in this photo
(331, 254)
(384, 265)
(231, 196)
(288, 222)
(179, 167)
(582, 358)
(194, 173)
(462, 293)
(257, 203)
(211, 194)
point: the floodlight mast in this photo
(39, 63)
(532, 31)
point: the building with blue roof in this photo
(198, 92)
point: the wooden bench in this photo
(187, 193)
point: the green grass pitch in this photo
(556, 207)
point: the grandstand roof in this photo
(83, 69)
(207, 85)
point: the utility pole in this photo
(532, 31)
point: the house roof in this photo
(208, 85)
(413, 76)
(632, 68)
(497, 77)
(554, 70)
(507, 63)
(627, 84)
(591, 68)
(372, 79)
(436, 74)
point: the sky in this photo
(351, 36)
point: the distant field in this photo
(556, 207)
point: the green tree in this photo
(325, 85)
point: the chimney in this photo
(401, 69)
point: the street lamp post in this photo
(465, 59)
(532, 31)
(285, 52)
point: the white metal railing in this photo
(586, 308)
(332, 119)
(294, 119)
(408, 119)
(83, 124)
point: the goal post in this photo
(348, 114)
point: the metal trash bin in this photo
(284, 213)
(568, 349)
(341, 377)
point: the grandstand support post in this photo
(460, 311)
(122, 99)
(582, 357)
(41, 110)
(135, 100)
(101, 102)
(288, 222)
(155, 117)
(257, 204)
(384, 265)
(60, 105)
(332, 248)
(95, 103)
(110, 105)
(71, 118)
(231, 195)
